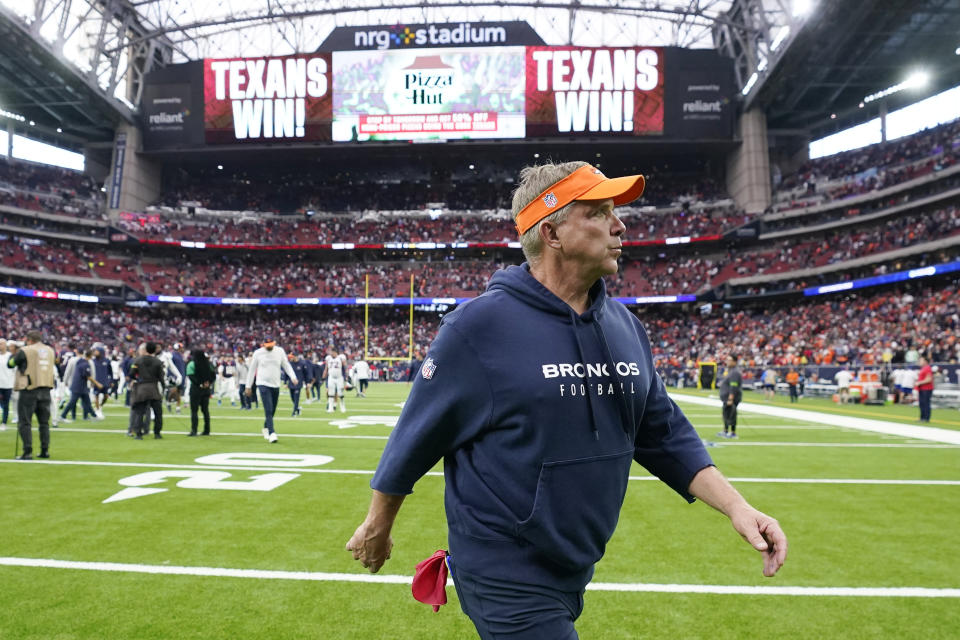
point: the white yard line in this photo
(316, 576)
(439, 474)
(933, 434)
(220, 433)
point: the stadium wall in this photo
(134, 180)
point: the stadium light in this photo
(752, 81)
(12, 116)
(780, 37)
(59, 130)
(220, 167)
(802, 8)
(957, 52)
(916, 80)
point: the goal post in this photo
(366, 326)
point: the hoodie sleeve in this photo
(667, 444)
(450, 403)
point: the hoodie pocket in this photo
(576, 508)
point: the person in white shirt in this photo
(227, 372)
(843, 378)
(335, 365)
(6, 384)
(264, 370)
(907, 383)
(361, 376)
(173, 375)
(242, 370)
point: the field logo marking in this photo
(264, 460)
(365, 421)
(201, 479)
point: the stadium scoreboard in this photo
(441, 82)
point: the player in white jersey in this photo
(335, 365)
(360, 376)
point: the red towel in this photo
(430, 580)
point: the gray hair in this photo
(534, 181)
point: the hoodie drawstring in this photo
(626, 413)
(576, 336)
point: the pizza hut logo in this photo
(550, 200)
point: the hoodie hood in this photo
(520, 283)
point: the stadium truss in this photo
(104, 48)
(113, 43)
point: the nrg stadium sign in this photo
(447, 34)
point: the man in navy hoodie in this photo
(539, 395)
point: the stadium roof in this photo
(72, 64)
(277, 27)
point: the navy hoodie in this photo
(538, 413)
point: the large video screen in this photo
(429, 94)
(445, 94)
(579, 91)
(265, 99)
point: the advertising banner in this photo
(701, 95)
(171, 107)
(441, 94)
(420, 36)
(267, 99)
(574, 91)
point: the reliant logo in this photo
(168, 118)
(400, 35)
(700, 106)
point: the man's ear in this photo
(549, 235)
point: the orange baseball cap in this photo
(586, 183)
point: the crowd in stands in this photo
(374, 228)
(849, 214)
(49, 189)
(408, 183)
(222, 330)
(860, 329)
(925, 144)
(298, 275)
(854, 329)
(873, 168)
(923, 259)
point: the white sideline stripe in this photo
(788, 427)
(439, 474)
(316, 576)
(245, 435)
(337, 415)
(934, 434)
(740, 443)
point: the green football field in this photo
(232, 537)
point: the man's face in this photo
(591, 237)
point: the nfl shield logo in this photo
(550, 200)
(429, 366)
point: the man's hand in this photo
(759, 529)
(764, 533)
(371, 542)
(370, 547)
(249, 392)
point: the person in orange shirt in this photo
(793, 381)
